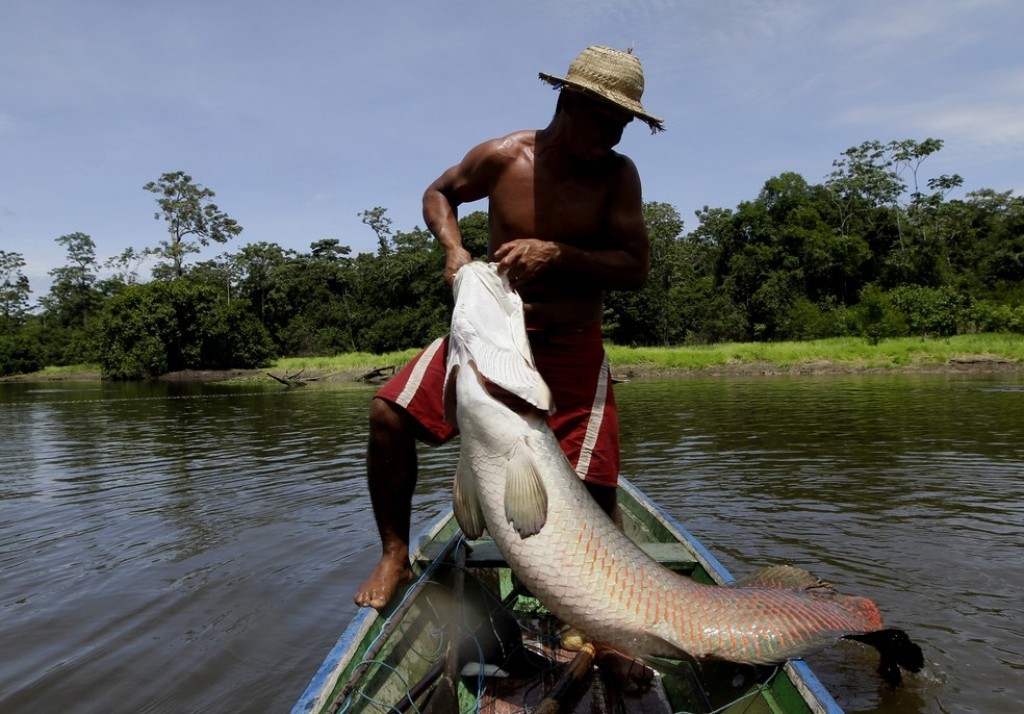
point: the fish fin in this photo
(526, 499)
(782, 577)
(896, 650)
(466, 501)
(503, 365)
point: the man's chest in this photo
(564, 208)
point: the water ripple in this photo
(216, 536)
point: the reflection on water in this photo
(904, 489)
(171, 547)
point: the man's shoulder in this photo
(528, 136)
(620, 160)
(622, 167)
(513, 143)
(503, 151)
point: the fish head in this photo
(488, 326)
(477, 274)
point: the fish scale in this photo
(579, 564)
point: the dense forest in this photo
(875, 250)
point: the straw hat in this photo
(611, 75)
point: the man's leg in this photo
(391, 475)
(586, 422)
(607, 498)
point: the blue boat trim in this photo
(326, 677)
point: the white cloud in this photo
(986, 114)
(991, 127)
(320, 197)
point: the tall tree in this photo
(379, 222)
(308, 307)
(72, 299)
(220, 273)
(14, 291)
(255, 265)
(870, 191)
(998, 246)
(126, 265)
(193, 220)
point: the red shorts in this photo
(574, 365)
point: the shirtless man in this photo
(566, 224)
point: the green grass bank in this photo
(981, 352)
(841, 354)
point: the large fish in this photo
(514, 481)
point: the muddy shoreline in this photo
(312, 377)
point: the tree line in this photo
(874, 250)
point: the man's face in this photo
(598, 124)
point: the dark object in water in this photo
(897, 652)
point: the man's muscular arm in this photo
(467, 181)
(621, 262)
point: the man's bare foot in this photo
(386, 578)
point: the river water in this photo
(194, 547)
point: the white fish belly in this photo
(580, 565)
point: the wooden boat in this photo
(466, 598)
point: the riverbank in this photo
(986, 353)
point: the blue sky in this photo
(301, 115)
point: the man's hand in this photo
(526, 259)
(455, 260)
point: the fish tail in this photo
(864, 611)
(826, 607)
(897, 652)
(772, 625)
(826, 615)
